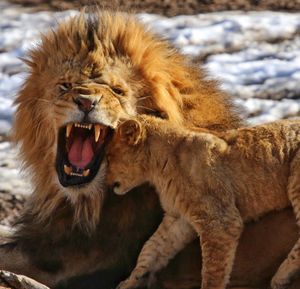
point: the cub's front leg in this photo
(172, 235)
(290, 268)
(219, 227)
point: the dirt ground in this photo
(167, 7)
(10, 206)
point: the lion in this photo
(83, 76)
(209, 185)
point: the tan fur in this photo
(213, 183)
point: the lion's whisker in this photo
(144, 97)
(145, 107)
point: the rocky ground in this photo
(13, 187)
(255, 56)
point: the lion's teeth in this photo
(67, 170)
(76, 174)
(86, 172)
(68, 129)
(97, 132)
(86, 126)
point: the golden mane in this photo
(177, 89)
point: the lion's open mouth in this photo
(80, 152)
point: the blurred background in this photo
(251, 46)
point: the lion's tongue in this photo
(81, 152)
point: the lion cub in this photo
(209, 185)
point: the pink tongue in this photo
(81, 152)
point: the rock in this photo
(14, 281)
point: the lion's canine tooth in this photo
(97, 132)
(90, 126)
(68, 129)
(67, 170)
(86, 172)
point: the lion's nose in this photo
(85, 104)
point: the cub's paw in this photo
(280, 283)
(129, 284)
(145, 279)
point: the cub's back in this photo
(277, 139)
(258, 165)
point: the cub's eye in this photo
(65, 86)
(118, 90)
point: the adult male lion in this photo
(83, 77)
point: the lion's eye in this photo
(118, 90)
(65, 86)
(159, 114)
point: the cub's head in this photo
(127, 157)
(83, 77)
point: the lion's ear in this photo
(131, 132)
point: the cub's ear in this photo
(131, 132)
(214, 143)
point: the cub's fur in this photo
(215, 184)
